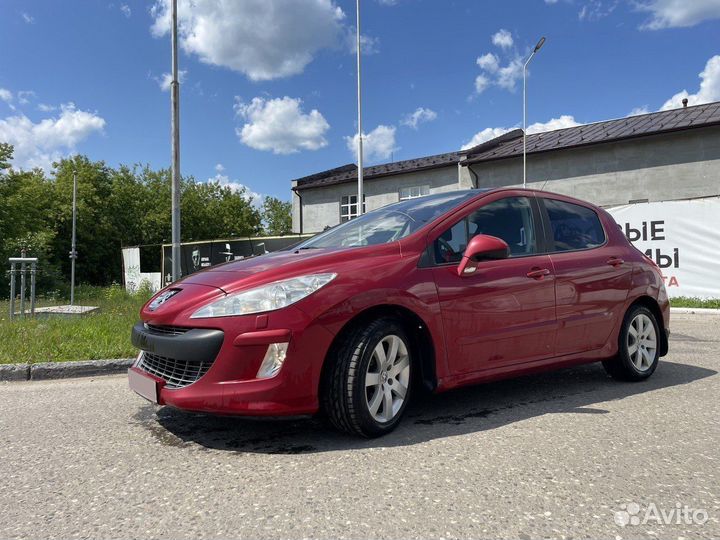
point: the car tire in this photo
(368, 385)
(638, 346)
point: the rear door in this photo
(591, 278)
(504, 313)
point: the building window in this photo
(414, 192)
(349, 207)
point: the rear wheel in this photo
(638, 346)
(367, 388)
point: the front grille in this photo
(175, 373)
(166, 330)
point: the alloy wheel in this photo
(642, 342)
(387, 378)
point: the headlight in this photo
(266, 298)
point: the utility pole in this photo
(537, 48)
(175, 138)
(359, 119)
(73, 251)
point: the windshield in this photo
(389, 223)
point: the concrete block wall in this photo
(672, 166)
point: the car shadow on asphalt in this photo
(467, 410)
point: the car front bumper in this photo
(211, 365)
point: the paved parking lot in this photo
(554, 455)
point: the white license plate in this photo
(143, 385)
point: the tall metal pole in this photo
(359, 119)
(12, 289)
(73, 251)
(525, 121)
(175, 137)
(537, 48)
(22, 286)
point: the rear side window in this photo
(573, 226)
(510, 219)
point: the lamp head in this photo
(539, 44)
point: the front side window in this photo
(349, 207)
(510, 219)
(573, 226)
(414, 192)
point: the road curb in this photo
(63, 370)
(694, 311)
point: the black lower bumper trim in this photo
(198, 344)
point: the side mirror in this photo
(482, 247)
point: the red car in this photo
(437, 292)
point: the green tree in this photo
(98, 243)
(6, 155)
(26, 222)
(277, 216)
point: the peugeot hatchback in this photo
(437, 292)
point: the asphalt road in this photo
(554, 455)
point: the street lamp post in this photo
(535, 50)
(175, 143)
(73, 246)
(360, 195)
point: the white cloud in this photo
(165, 79)
(678, 13)
(419, 116)
(368, 44)
(39, 144)
(24, 96)
(264, 39)
(29, 19)
(493, 72)
(564, 121)
(44, 107)
(488, 62)
(388, 2)
(503, 39)
(481, 83)
(709, 87)
(378, 145)
(280, 125)
(594, 10)
(484, 135)
(224, 180)
(126, 10)
(509, 75)
(639, 110)
(6, 95)
(551, 1)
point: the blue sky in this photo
(268, 92)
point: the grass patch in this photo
(104, 334)
(684, 301)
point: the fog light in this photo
(273, 361)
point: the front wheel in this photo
(367, 388)
(638, 346)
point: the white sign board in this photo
(682, 237)
(134, 278)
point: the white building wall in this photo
(321, 206)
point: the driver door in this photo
(504, 313)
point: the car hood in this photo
(279, 265)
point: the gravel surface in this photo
(554, 455)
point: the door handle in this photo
(615, 261)
(538, 273)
